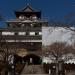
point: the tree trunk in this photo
(57, 68)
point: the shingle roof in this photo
(28, 8)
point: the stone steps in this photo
(33, 70)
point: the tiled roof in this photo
(28, 8)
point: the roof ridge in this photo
(28, 7)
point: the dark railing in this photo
(22, 29)
(18, 37)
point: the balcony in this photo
(22, 29)
(18, 37)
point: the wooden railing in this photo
(18, 37)
(22, 29)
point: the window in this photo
(7, 33)
(32, 33)
(23, 25)
(32, 25)
(22, 33)
(21, 17)
(40, 33)
(10, 40)
(34, 18)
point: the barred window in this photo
(22, 33)
(32, 33)
(7, 33)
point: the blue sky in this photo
(51, 9)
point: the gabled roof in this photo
(28, 8)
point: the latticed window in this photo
(40, 33)
(32, 33)
(21, 17)
(7, 33)
(22, 33)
